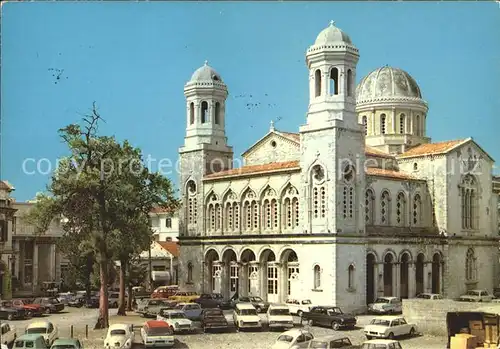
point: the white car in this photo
(477, 296)
(44, 328)
(432, 296)
(278, 316)
(386, 305)
(119, 336)
(298, 307)
(176, 319)
(157, 334)
(389, 327)
(245, 316)
(381, 344)
(293, 339)
(7, 333)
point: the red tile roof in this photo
(377, 153)
(170, 246)
(257, 169)
(433, 148)
(162, 210)
(295, 137)
(380, 172)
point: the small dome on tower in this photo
(387, 82)
(331, 35)
(205, 73)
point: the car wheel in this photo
(10, 317)
(258, 309)
(47, 311)
(412, 332)
(335, 326)
(299, 313)
(368, 337)
(391, 335)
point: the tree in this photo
(96, 188)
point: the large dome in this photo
(205, 73)
(387, 82)
(331, 35)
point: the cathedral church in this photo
(359, 203)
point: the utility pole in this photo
(150, 269)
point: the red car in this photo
(34, 309)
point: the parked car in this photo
(34, 309)
(386, 305)
(214, 300)
(212, 319)
(92, 302)
(329, 342)
(389, 327)
(297, 307)
(245, 316)
(7, 333)
(477, 296)
(45, 329)
(157, 334)
(51, 304)
(67, 343)
(191, 310)
(257, 302)
(150, 307)
(186, 297)
(330, 316)
(30, 341)
(119, 336)
(65, 297)
(165, 291)
(293, 339)
(113, 298)
(278, 316)
(176, 319)
(8, 312)
(432, 296)
(77, 301)
(381, 344)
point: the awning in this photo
(160, 275)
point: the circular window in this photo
(273, 144)
(191, 187)
(348, 172)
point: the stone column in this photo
(412, 281)
(379, 280)
(35, 266)
(52, 262)
(427, 279)
(393, 117)
(372, 124)
(396, 280)
(17, 261)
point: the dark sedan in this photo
(92, 302)
(213, 319)
(213, 300)
(7, 313)
(51, 304)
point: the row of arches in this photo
(402, 276)
(334, 83)
(204, 113)
(400, 213)
(403, 125)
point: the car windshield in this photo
(159, 331)
(117, 333)
(36, 330)
(63, 346)
(373, 346)
(214, 312)
(54, 301)
(473, 293)
(307, 301)
(285, 338)
(24, 344)
(282, 311)
(177, 316)
(382, 300)
(248, 312)
(319, 344)
(379, 322)
(256, 299)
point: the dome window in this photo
(215, 78)
(317, 83)
(334, 81)
(204, 112)
(402, 122)
(365, 125)
(382, 124)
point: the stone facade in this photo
(345, 210)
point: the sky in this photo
(133, 59)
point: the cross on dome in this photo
(332, 23)
(206, 62)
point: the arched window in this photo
(350, 277)
(290, 214)
(250, 211)
(317, 83)
(382, 124)
(270, 210)
(214, 214)
(190, 273)
(348, 202)
(470, 265)
(334, 81)
(217, 113)
(369, 207)
(385, 210)
(349, 83)
(417, 210)
(401, 210)
(365, 124)
(204, 112)
(318, 197)
(317, 277)
(192, 207)
(402, 123)
(231, 212)
(468, 193)
(191, 113)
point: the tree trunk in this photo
(88, 273)
(121, 298)
(130, 297)
(103, 319)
